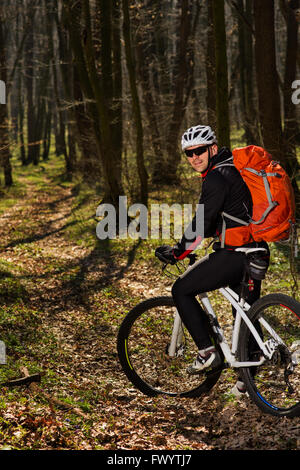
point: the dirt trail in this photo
(80, 295)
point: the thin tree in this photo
(164, 45)
(135, 104)
(291, 129)
(246, 69)
(267, 79)
(210, 67)
(222, 108)
(81, 40)
(5, 154)
(183, 73)
(29, 86)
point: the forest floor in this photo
(63, 295)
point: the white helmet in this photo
(198, 135)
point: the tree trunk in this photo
(135, 104)
(83, 92)
(110, 161)
(267, 79)
(183, 69)
(89, 164)
(41, 107)
(80, 126)
(4, 125)
(93, 88)
(291, 129)
(165, 63)
(20, 101)
(59, 75)
(210, 65)
(117, 79)
(144, 48)
(222, 108)
(29, 78)
(47, 132)
(246, 72)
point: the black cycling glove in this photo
(165, 253)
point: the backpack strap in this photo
(235, 219)
(272, 203)
(264, 175)
(228, 162)
(271, 207)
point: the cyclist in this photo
(223, 190)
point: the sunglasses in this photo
(197, 151)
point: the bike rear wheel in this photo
(275, 385)
(143, 341)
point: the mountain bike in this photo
(154, 348)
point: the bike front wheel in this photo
(275, 385)
(143, 344)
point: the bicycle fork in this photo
(177, 335)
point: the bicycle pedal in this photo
(2, 353)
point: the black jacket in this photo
(223, 189)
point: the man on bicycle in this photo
(223, 190)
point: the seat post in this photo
(245, 286)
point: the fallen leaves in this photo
(76, 299)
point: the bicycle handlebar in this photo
(192, 259)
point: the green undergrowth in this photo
(279, 276)
(61, 305)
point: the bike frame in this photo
(241, 308)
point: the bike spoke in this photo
(152, 332)
(144, 341)
(276, 383)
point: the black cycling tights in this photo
(219, 269)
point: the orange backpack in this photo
(273, 217)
